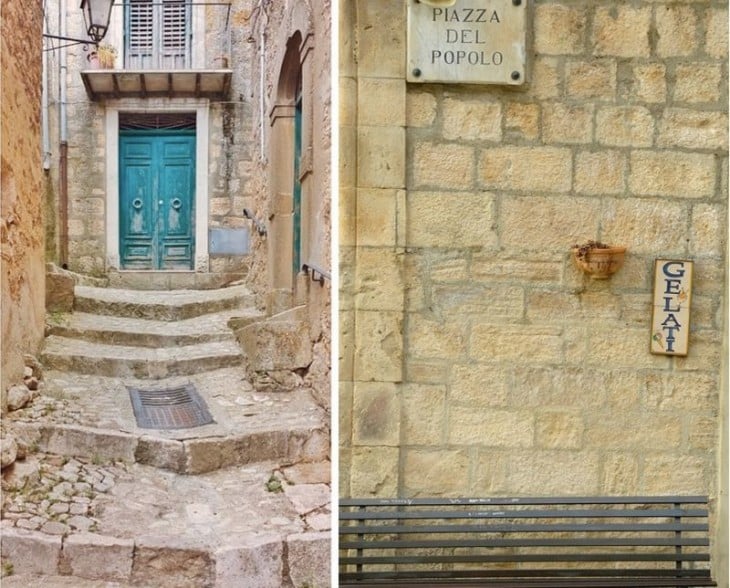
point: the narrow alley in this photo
(130, 488)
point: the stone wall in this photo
(21, 227)
(476, 358)
(281, 32)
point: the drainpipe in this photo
(63, 146)
(44, 115)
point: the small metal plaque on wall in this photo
(469, 42)
(671, 306)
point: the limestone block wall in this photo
(22, 262)
(476, 358)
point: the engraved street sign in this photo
(471, 42)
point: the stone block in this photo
(559, 430)
(376, 58)
(374, 472)
(432, 339)
(167, 454)
(646, 225)
(439, 165)
(650, 82)
(373, 93)
(59, 292)
(600, 172)
(378, 346)
(672, 173)
(559, 29)
(487, 268)
(522, 121)
(499, 302)
(489, 427)
(160, 564)
(469, 120)
(424, 415)
(639, 431)
(570, 219)
(479, 386)
(620, 474)
(98, 557)
(510, 343)
(457, 220)
(307, 446)
(546, 79)
(622, 31)
(676, 27)
(670, 473)
(421, 108)
(625, 126)
(308, 558)
(565, 123)
(544, 169)
(257, 561)
(699, 83)
(375, 221)
(379, 281)
(276, 345)
(716, 32)
(435, 472)
(381, 157)
(30, 552)
(554, 473)
(707, 230)
(86, 441)
(376, 414)
(693, 129)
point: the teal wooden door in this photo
(156, 198)
(297, 191)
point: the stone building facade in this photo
(476, 358)
(215, 90)
(21, 176)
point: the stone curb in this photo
(262, 560)
(190, 456)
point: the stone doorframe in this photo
(113, 108)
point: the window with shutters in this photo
(157, 34)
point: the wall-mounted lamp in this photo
(96, 16)
(437, 3)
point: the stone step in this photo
(89, 357)
(135, 525)
(163, 305)
(138, 332)
(92, 416)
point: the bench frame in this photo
(601, 542)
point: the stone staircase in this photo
(241, 501)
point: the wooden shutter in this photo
(140, 34)
(157, 34)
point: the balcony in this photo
(165, 48)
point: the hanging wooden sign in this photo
(671, 306)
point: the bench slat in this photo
(544, 528)
(556, 557)
(678, 541)
(524, 500)
(522, 514)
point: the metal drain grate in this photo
(172, 408)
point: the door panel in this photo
(157, 183)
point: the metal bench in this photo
(657, 541)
